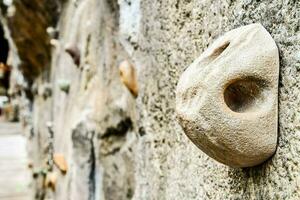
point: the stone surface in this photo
(226, 100)
(64, 85)
(138, 149)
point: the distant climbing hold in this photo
(52, 32)
(60, 162)
(227, 99)
(128, 77)
(64, 85)
(49, 125)
(54, 42)
(50, 180)
(74, 52)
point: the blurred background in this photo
(15, 179)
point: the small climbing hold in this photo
(49, 124)
(227, 99)
(128, 77)
(60, 162)
(52, 32)
(64, 85)
(74, 52)
(50, 180)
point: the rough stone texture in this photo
(126, 148)
(226, 100)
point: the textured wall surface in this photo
(120, 147)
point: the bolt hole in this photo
(247, 95)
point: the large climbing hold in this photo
(227, 99)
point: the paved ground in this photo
(14, 173)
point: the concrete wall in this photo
(121, 147)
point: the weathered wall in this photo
(121, 147)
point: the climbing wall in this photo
(99, 107)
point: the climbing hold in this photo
(54, 42)
(74, 52)
(50, 180)
(128, 77)
(227, 99)
(52, 32)
(49, 125)
(64, 85)
(60, 162)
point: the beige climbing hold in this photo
(60, 162)
(227, 99)
(54, 42)
(50, 181)
(128, 77)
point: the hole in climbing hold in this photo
(246, 95)
(217, 52)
